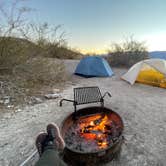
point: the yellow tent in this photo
(151, 72)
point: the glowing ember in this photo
(93, 132)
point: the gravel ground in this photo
(142, 108)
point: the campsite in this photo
(141, 106)
(82, 83)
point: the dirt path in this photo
(143, 109)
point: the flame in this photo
(92, 123)
(94, 128)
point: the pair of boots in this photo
(50, 139)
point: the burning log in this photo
(99, 128)
(98, 121)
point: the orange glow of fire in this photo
(94, 128)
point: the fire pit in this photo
(95, 136)
(92, 135)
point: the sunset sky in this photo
(92, 25)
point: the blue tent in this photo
(93, 66)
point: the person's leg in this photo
(50, 157)
(48, 146)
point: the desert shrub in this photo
(62, 52)
(127, 53)
(40, 71)
(17, 51)
(34, 78)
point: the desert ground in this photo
(142, 108)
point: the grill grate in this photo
(85, 95)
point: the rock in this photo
(52, 96)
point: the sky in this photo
(92, 25)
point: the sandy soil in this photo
(143, 109)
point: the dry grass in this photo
(40, 71)
(35, 77)
(54, 50)
(63, 52)
(25, 69)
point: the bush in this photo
(62, 52)
(15, 51)
(55, 50)
(33, 77)
(40, 71)
(127, 53)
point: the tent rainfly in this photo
(93, 66)
(150, 71)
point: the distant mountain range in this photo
(158, 54)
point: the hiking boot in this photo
(40, 142)
(54, 134)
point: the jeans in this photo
(50, 157)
